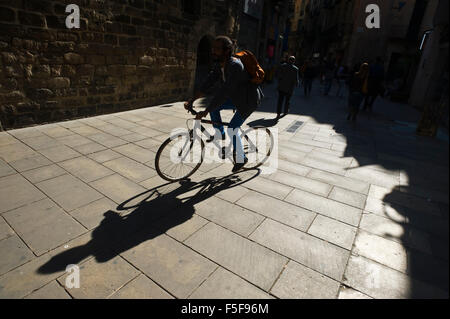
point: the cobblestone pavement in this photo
(353, 211)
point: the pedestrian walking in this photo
(341, 80)
(287, 81)
(307, 77)
(375, 84)
(327, 76)
(357, 89)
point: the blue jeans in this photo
(235, 123)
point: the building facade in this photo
(126, 54)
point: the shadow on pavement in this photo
(420, 199)
(148, 215)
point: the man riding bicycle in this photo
(236, 92)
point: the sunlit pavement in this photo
(353, 210)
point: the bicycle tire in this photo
(269, 151)
(158, 157)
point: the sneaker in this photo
(239, 166)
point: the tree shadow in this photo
(419, 198)
(146, 216)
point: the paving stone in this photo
(16, 191)
(223, 284)
(136, 153)
(89, 148)
(428, 194)
(14, 253)
(40, 271)
(52, 290)
(233, 194)
(85, 169)
(41, 142)
(381, 282)
(301, 182)
(59, 153)
(29, 163)
(324, 206)
(348, 197)
(293, 168)
(324, 165)
(386, 252)
(170, 264)
(243, 257)
(349, 293)
(14, 152)
(54, 130)
(71, 124)
(6, 139)
(25, 133)
(333, 231)
(268, 187)
(5, 230)
(107, 140)
(300, 282)
(5, 169)
(312, 252)
(290, 155)
(374, 177)
(227, 215)
(283, 212)
(69, 192)
(145, 131)
(117, 188)
(340, 181)
(130, 169)
(86, 130)
(182, 231)
(301, 147)
(311, 142)
(141, 288)
(104, 156)
(133, 137)
(396, 231)
(43, 225)
(100, 280)
(114, 130)
(43, 173)
(91, 215)
(412, 202)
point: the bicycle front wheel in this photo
(179, 157)
(258, 146)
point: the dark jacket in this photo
(287, 78)
(237, 87)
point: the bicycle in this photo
(186, 150)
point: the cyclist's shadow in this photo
(150, 217)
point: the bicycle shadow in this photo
(153, 214)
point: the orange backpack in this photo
(252, 66)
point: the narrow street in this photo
(353, 211)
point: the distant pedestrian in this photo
(375, 84)
(327, 76)
(287, 81)
(342, 75)
(308, 77)
(357, 87)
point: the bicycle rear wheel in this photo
(258, 145)
(179, 157)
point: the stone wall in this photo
(127, 54)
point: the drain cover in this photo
(294, 126)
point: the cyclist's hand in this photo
(201, 115)
(188, 105)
